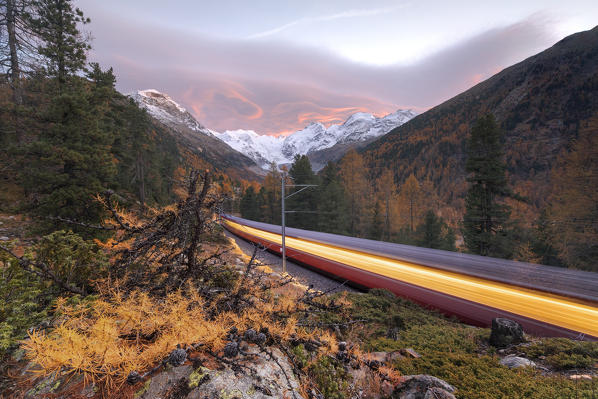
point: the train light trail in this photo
(569, 313)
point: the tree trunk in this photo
(15, 71)
(140, 177)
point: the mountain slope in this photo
(540, 103)
(194, 137)
(315, 140)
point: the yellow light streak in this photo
(558, 310)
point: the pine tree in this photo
(434, 233)
(249, 204)
(484, 222)
(332, 203)
(376, 226)
(71, 161)
(63, 46)
(261, 204)
(304, 202)
(272, 203)
(544, 237)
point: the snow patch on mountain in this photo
(168, 111)
(261, 148)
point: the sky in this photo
(276, 66)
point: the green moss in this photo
(235, 393)
(301, 356)
(482, 377)
(143, 389)
(563, 354)
(330, 377)
(47, 385)
(197, 376)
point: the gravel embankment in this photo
(302, 274)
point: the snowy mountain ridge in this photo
(358, 127)
(264, 149)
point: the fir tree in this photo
(484, 223)
(434, 233)
(71, 161)
(63, 46)
(332, 202)
(377, 222)
(249, 204)
(271, 197)
(304, 202)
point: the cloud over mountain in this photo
(275, 87)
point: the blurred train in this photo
(545, 300)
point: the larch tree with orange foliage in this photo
(387, 194)
(354, 177)
(410, 196)
(574, 213)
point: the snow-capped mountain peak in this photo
(165, 109)
(360, 127)
(262, 149)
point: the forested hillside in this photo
(540, 103)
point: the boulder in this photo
(505, 332)
(514, 362)
(438, 393)
(269, 380)
(418, 386)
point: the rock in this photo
(342, 346)
(417, 387)
(177, 357)
(438, 393)
(231, 349)
(514, 362)
(379, 357)
(270, 381)
(411, 352)
(386, 388)
(133, 378)
(505, 332)
(250, 335)
(392, 356)
(4, 238)
(580, 377)
(260, 339)
(46, 386)
(163, 382)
